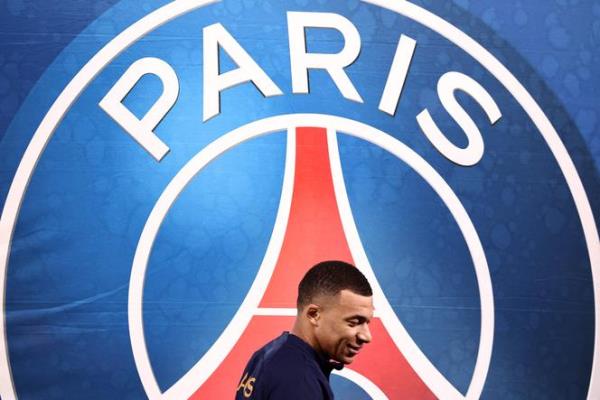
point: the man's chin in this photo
(347, 359)
(342, 360)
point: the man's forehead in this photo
(348, 304)
(346, 296)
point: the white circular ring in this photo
(179, 7)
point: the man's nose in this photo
(364, 334)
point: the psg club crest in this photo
(196, 158)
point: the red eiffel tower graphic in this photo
(314, 233)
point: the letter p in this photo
(142, 130)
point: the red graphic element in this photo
(314, 233)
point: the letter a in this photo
(248, 71)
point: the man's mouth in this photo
(353, 350)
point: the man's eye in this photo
(352, 323)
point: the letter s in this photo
(447, 85)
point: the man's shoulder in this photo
(293, 373)
(281, 356)
(285, 368)
(287, 359)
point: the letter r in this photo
(301, 61)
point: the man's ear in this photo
(313, 314)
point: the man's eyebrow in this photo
(359, 318)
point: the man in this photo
(335, 306)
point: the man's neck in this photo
(300, 331)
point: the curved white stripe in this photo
(200, 372)
(516, 89)
(362, 381)
(438, 384)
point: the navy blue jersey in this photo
(286, 368)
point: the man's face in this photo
(343, 326)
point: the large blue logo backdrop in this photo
(68, 272)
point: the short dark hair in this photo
(329, 278)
